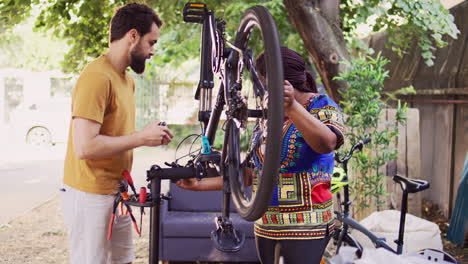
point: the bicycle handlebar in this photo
(365, 141)
(358, 145)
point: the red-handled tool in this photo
(129, 179)
(142, 197)
(133, 220)
(111, 222)
(125, 197)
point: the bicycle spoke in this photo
(258, 86)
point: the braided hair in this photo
(294, 69)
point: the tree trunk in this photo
(318, 23)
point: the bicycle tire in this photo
(253, 208)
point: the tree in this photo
(327, 28)
(324, 28)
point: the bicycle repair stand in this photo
(225, 237)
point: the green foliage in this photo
(176, 31)
(84, 24)
(13, 12)
(406, 21)
(181, 132)
(363, 106)
(24, 48)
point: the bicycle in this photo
(342, 234)
(254, 108)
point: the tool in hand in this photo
(126, 197)
(162, 123)
(142, 200)
(129, 179)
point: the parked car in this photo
(42, 123)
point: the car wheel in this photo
(39, 136)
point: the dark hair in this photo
(132, 15)
(294, 70)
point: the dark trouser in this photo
(298, 251)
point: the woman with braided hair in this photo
(299, 221)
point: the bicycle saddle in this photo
(411, 185)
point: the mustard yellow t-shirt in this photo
(106, 96)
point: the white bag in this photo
(381, 256)
(419, 233)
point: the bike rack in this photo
(225, 237)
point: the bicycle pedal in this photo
(195, 12)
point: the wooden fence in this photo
(442, 100)
(408, 164)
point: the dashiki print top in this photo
(301, 206)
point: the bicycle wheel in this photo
(255, 113)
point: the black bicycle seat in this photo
(411, 185)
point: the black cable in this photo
(190, 153)
(193, 142)
(180, 144)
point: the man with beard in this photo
(102, 138)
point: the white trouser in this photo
(87, 218)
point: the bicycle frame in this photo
(210, 117)
(228, 64)
(216, 59)
(408, 186)
(350, 222)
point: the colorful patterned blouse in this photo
(301, 206)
